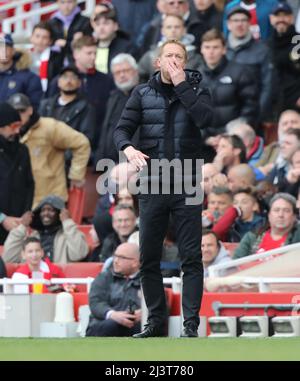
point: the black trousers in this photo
(155, 211)
(109, 327)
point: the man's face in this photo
(202, 5)
(171, 53)
(68, 82)
(11, 131)
(209, 248)
(176, 7)
(227, 149)
(209, 171)
(124, 222)
(239, 25)
(289, 119)
(105, 29)
(48, 215)
(125, 262)
(288, 146)
(212, 52)
(85, 57)
(247, 205)
(33, 253)
(173, 28)
(281, 216)
(40, 39)
(7, 57)
(218, 204)
(125, 76)
(281, 21)
(66, 7)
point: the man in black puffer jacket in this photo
(233, 88)
(170, 110)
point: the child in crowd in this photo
(33, 255)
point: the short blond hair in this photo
(175, 42)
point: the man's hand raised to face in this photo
(176, 72)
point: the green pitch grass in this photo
(167, 349)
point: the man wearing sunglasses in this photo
(16, 180)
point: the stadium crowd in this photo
(61, 98)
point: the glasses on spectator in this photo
(245, 20)
(122, 257)
(180, 2)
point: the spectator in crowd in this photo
(244, 49)
(285, 57)
(219, 200)
(152, 35)
(115, 296)
(133, 15)
(205, 17)
(221, 213)
(213, 252)
(231, 152)
(232, 86)
(16, 179)
(110, 38)
(251, 218)
(288, 146)
(259, 9)
(172, 29)
(46, 62)
(291, 182)
(240, 176)
(124, 224)
(95, 86)
(68, 24)
(32, 255)
(254, 144)
(104, 6)
(288, 119)
(61, 240)
(282, 228)
(125, 73)
(209, 171)
(70, 105)
(47, 140)
(15, 74)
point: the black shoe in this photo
(190, 331)
(151, 331)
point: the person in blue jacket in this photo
(15, 76)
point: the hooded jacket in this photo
(69, 242)
(47, 140)
(19, 79)
(169, 128)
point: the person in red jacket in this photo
(36, 262)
